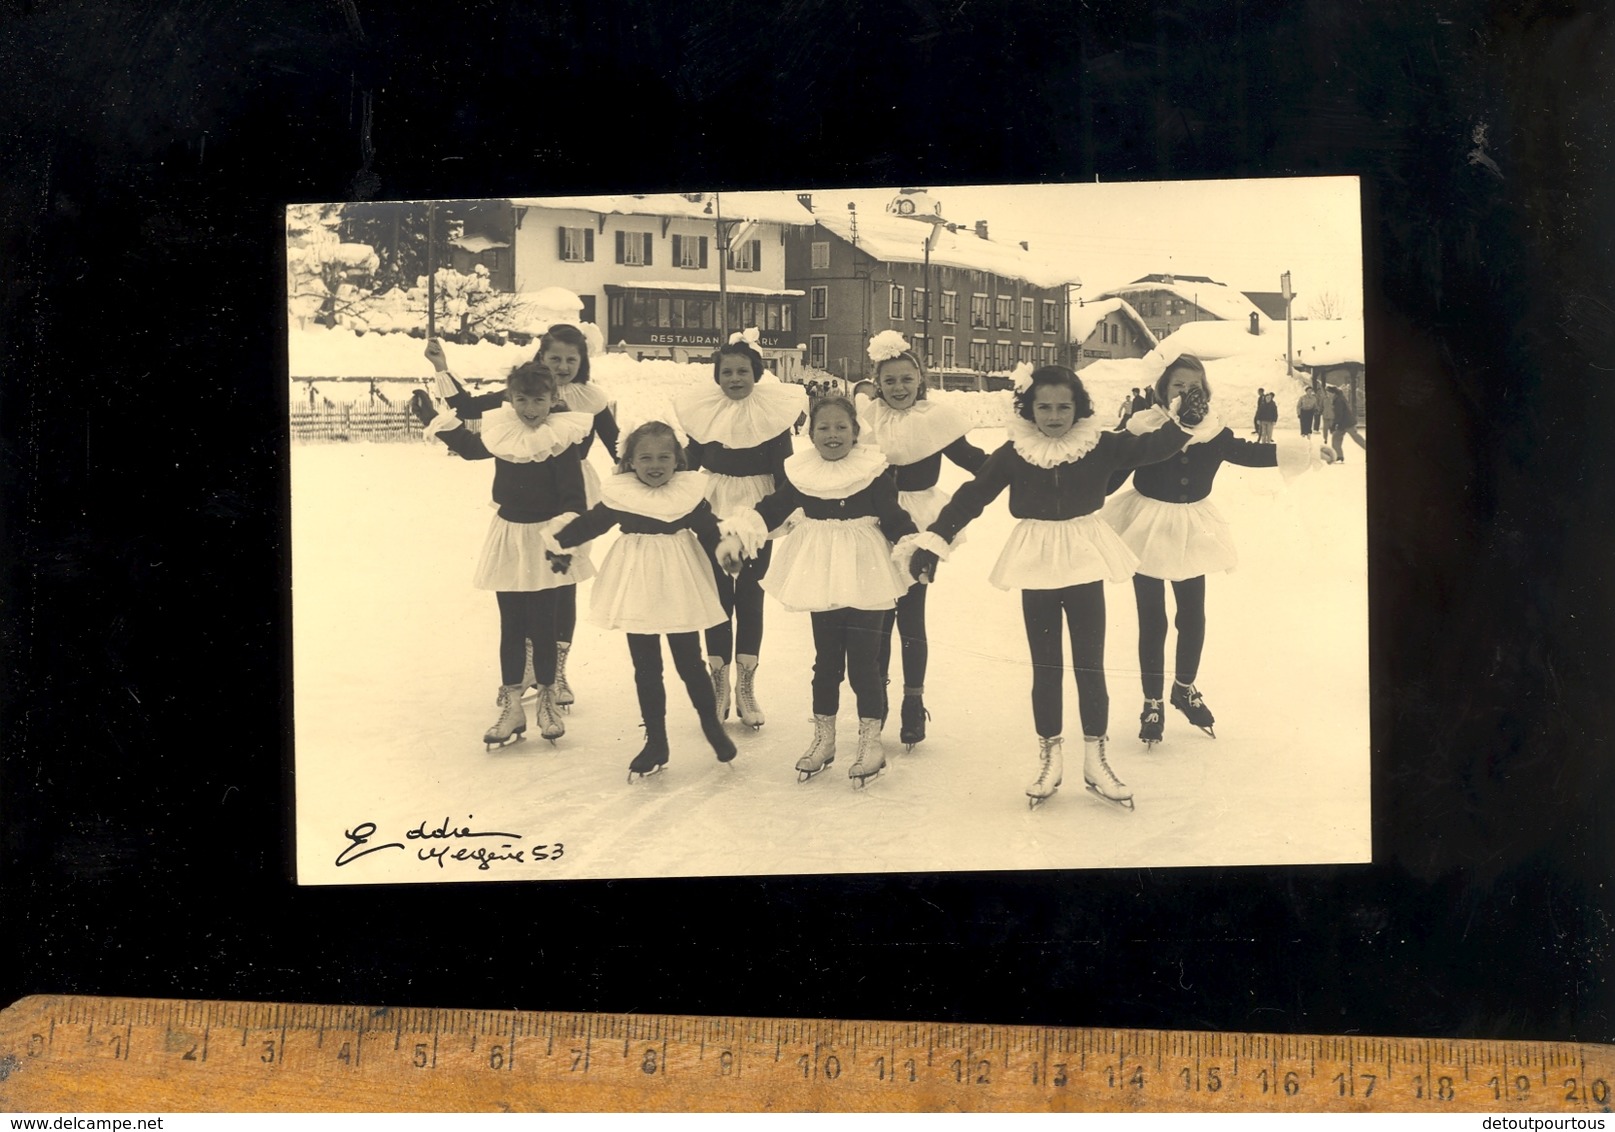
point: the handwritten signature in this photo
(448, 841)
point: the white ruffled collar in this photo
(583, 396)
(1050, 451)
(708, 414)
(910, 435)
(507, 437)
(1209, 428)
(681, 494)
(812, 474)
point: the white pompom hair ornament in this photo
(887, 345)
(748, 337)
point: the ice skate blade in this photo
(1119, 803)
(859, 781)
(1033, 801)
(1209, 731)
(640, 775)
(499, 745)
(805, 775)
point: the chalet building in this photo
(1166, 302)
(650, 269)
(964, 301)
(1108, 328)
(1272, 303)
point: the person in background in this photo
(1342, 423)
(1306, 409)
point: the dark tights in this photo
(1084, 609)
(645, 649)
(909, 621)
(566, 613)
(742, 598)
(1190, 595)
(848, 641)
(526, 615)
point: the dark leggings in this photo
(566, 613)
(909, 621)
(848, 640)
(645, 649)
(1084, 608)
(526, 615)
(1190, 595)
(742, 599)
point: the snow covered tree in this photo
(328, 282)
(468, 306)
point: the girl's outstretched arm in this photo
(972, 498)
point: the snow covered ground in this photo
(396, 674)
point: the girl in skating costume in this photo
(537, 485)
(739, 430)
(656, 580)
(564, 351)
(836, 563)
(1056, 465)
(913, 433)
(1167, 519)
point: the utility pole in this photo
(1289, 339)
(431, 270)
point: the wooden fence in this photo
(353, 422)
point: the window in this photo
(618, 307)
(1051, 355)
(1001, 356)
(1028, 315)
(821, 255)
(921, 348)
(950, 306)
(897, 303)
(634, 249)
(978, 354)
(947, 353)
(577, 245)
(818, 302)
(787, 315)
(920, 304)
(1051, 320)
(746, 256)
(1005, 311)
(1024, 352)
(818, 346)
(689, 251)
(978, 310)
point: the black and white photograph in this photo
(887, 529)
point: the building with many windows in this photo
(964, 301)
(651, 268)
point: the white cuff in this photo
(1147, 420)
(935, 543)
(447, 420)
(746, 526)
(446, 384)
(1296, 457)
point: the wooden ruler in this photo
(79, 1054)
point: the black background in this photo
(146, 154)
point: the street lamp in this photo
(725, 229)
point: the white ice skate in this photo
(512, 719)
(1051, 770)
(746, 693)
(563, 691)
(720, 685)
(1102, 781)
(529, 678)
(822, 751)
(871, 753)
(544, 713)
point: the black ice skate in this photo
(1102, 781)
(911, 717)
(652, 758)
(1189, 701)
(722, 745)
(1150, 722)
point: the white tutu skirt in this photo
(513, 560)
(1173, 541)
(834, 564)
(1050, 554)
(730, 495)
(924, 506)
(655, 584)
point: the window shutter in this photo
(701, 252)
(620, 256)
(678, 250)
(647, 249)
(588, 245)
(562, 232)
(756, 255)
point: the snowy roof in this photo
(478, 244)
(692, 285)
(897, 239)
(1215, 298)
(1088, 314)
(1317, 341)
(1328, 342)
(765, 207)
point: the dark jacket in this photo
(527, 492)
(765, 459)
(599, 519)
(923, 474)
(878, 499)
(1187, 477)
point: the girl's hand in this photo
(729, 554)
(560, 563)
(1190, 407)
(922, 566)
(435, 355)
(420, 404)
